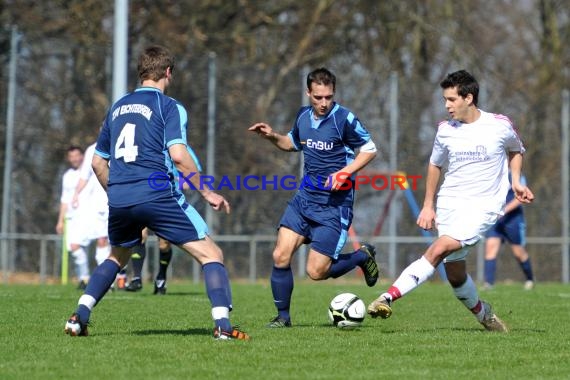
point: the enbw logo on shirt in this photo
(319, 145)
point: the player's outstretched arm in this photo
(280, 141)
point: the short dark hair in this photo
(321, 76)
(153, 63)
(466, 84)
(71, 148)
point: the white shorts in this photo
(99, 226)
(465, 222)
(85, 227)
(75, 233)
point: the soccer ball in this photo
(347, 311)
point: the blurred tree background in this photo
(516, 49)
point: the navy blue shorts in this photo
(177, 223)
(511, 229)
(325, 227)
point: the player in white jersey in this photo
(67, 218)
(91, 201)
(478, 148)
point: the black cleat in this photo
(134, 286)
(159, 287)
(82, 285)
(279, 322)
(370, 268)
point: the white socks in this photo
(415, 274)
(101, 253)
(81, 263)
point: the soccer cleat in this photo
(82, 285)
(528, 285)
(279, 322)
(490, 321)
(486, 286)
(380, 307)
(159, 287)
(370, 268)
(235, 334)
(134, 286)
(74, 326)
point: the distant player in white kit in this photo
(479, 147)
(91, 200)
(67, 221)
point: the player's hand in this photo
(59, 228)
(523, 193)
(75, 201)
(426, 219)
(338, 181)
(217, 202)
(262, 129)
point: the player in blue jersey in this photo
(140, 150)
(320, 213)
(165, 255)
(512, 228)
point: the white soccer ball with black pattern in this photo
(347, 311)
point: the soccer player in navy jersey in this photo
(477, 147)
(165, 254)
(320, 213)
(512, 228)
(140, 150)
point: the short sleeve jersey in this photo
(328, 145)
(94, 192)
(137, 132)
(477, 158)
(68, 185)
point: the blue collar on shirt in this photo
(148, 89)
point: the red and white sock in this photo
(413, 276)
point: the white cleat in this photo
(380, 307)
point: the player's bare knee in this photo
(214, 254)
(317, 274)
(281, 259)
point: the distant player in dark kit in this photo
(141, 145)
(511, 227)
(320, 213)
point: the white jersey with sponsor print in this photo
(477, 158)
(97, 196)
(68, 185)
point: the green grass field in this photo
(141, 336)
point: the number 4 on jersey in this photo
(125, 146)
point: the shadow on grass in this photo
(177, 294)
(173, 332)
